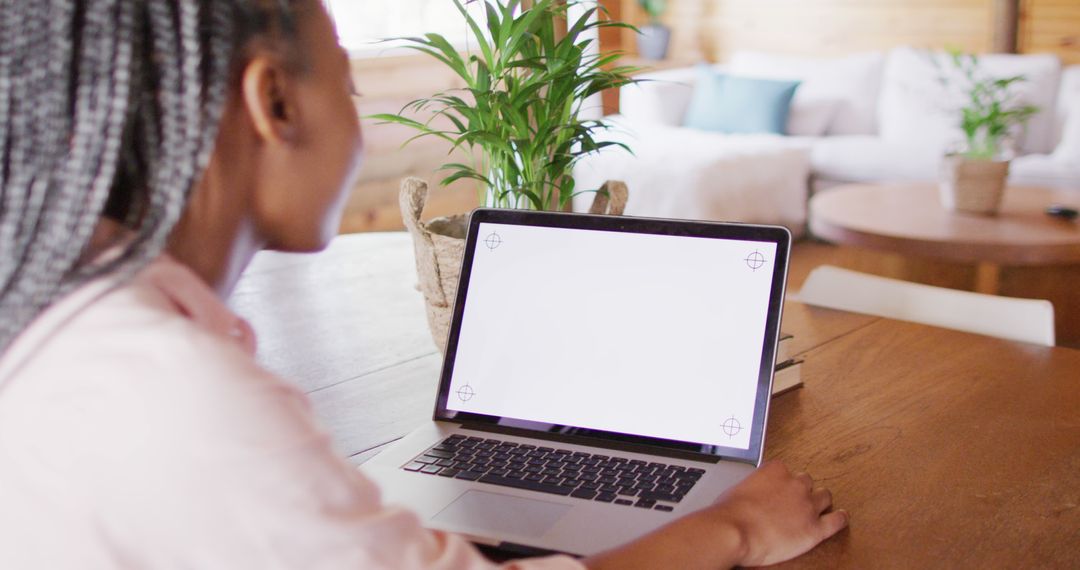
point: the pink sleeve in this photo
(135, 437)
(273, 492)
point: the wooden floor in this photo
(808, 254)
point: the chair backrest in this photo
(1025, 320)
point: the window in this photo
(362, 24)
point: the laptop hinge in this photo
(603, 443)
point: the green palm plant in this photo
(990, 110)
(520, 112)
(654, 8)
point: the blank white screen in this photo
(658, 336)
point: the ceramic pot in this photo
(973, 186)
(653, 41)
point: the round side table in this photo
(1021, 251)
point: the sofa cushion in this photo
(659, 97)
(917, 109)
(872, 159)
(731, 104)
(840, 92)
(1045, 170)
(686, 173)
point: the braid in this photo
(105, 102)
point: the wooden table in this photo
(1020, 252)
(949, 449)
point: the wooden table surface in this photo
(949, 449)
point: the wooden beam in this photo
(1006, 25)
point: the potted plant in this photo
(519, 117)
(654, 37)
(973, 180)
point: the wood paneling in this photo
(712, 29)
(1051, 26)
(386, 85)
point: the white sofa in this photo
(859, 118)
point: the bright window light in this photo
(363, 24)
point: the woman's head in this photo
(117, 107)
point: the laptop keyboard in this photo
(588, 476)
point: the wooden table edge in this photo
(960, 252)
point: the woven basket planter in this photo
(973, 186)
(440, 243)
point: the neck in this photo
(216, 238)
(218, 265)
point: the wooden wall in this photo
(712, 29)
(386, 84)
(1051, 26)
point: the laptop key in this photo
(448, 472)
(528, 485)
(645, 503)
(655, 496)
(623, 502)
(414, 466)
(584, 494)
(666, 508)
(606, 497)
(469, 475)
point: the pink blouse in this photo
(137, 431)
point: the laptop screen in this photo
(643, 334)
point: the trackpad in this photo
(497, 515)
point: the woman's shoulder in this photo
(159, 355)
(163, 334)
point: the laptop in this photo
(603, 376)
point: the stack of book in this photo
(788, 375)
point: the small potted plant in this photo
(973, 180)
(519, 116)
(653, 38)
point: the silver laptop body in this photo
(603, 376)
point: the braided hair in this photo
(107, 108)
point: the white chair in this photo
(1025, 320)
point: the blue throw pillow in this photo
(731, 104)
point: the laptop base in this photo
(522, 520)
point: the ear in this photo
(268, 100)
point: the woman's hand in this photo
(770, 517)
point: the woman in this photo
(149, 148)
